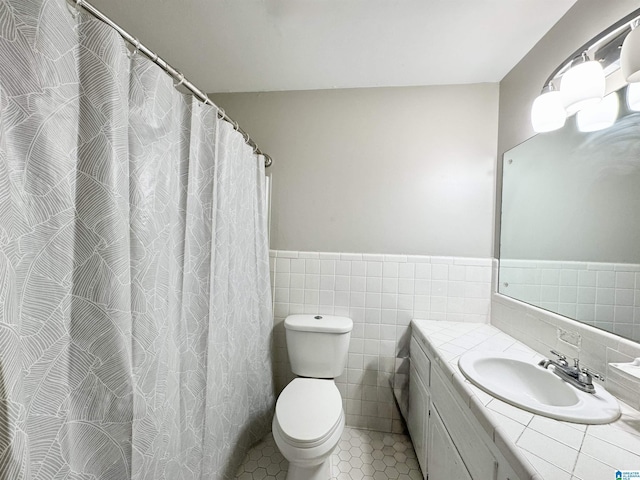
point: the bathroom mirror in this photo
(570, 232)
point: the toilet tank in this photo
(318, 344)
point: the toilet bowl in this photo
(307, 426)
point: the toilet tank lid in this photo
(318, 323)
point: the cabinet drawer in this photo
(420, 361)
(472, 448)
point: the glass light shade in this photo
(630, 56)
(600, 115)
(547, 112)
(633, 97)
(582, 85)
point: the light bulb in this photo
(582, 85)
(600, 115)
(633, 97)
(547, 112)
(630, 56)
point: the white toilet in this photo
(309, 418)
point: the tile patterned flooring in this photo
(360, 455)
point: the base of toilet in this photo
(316, 472)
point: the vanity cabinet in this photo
(436, 453)
(448, 440)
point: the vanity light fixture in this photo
(583, 84)
(548, 112)
(582, 80)
(600, 115)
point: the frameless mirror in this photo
(570, 232)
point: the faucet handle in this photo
(563, 358)
(586, 371)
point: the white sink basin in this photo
(518, 380)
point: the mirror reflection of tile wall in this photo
(570, 229)
(603, 295)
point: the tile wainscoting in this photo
(382, 294)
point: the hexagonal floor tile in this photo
(360, 455)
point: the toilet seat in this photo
(308, 412)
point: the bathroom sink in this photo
(518, 380)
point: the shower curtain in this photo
(135, 306)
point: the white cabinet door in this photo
(445, 462)
(418, 421)
(505, 472)
(462, 428)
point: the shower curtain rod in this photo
(177, 75)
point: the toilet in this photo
(309, 418)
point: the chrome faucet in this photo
(581, 378)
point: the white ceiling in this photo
(266, 45)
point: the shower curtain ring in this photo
(222, 113)
(76, 8)
(235, 126)
(181, 78)
(136, 48)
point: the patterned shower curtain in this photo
(135, 306)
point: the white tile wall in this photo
(603, 295)
(381, 293)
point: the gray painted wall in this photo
(523, 84)
(384, 170)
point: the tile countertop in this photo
(543, 447)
